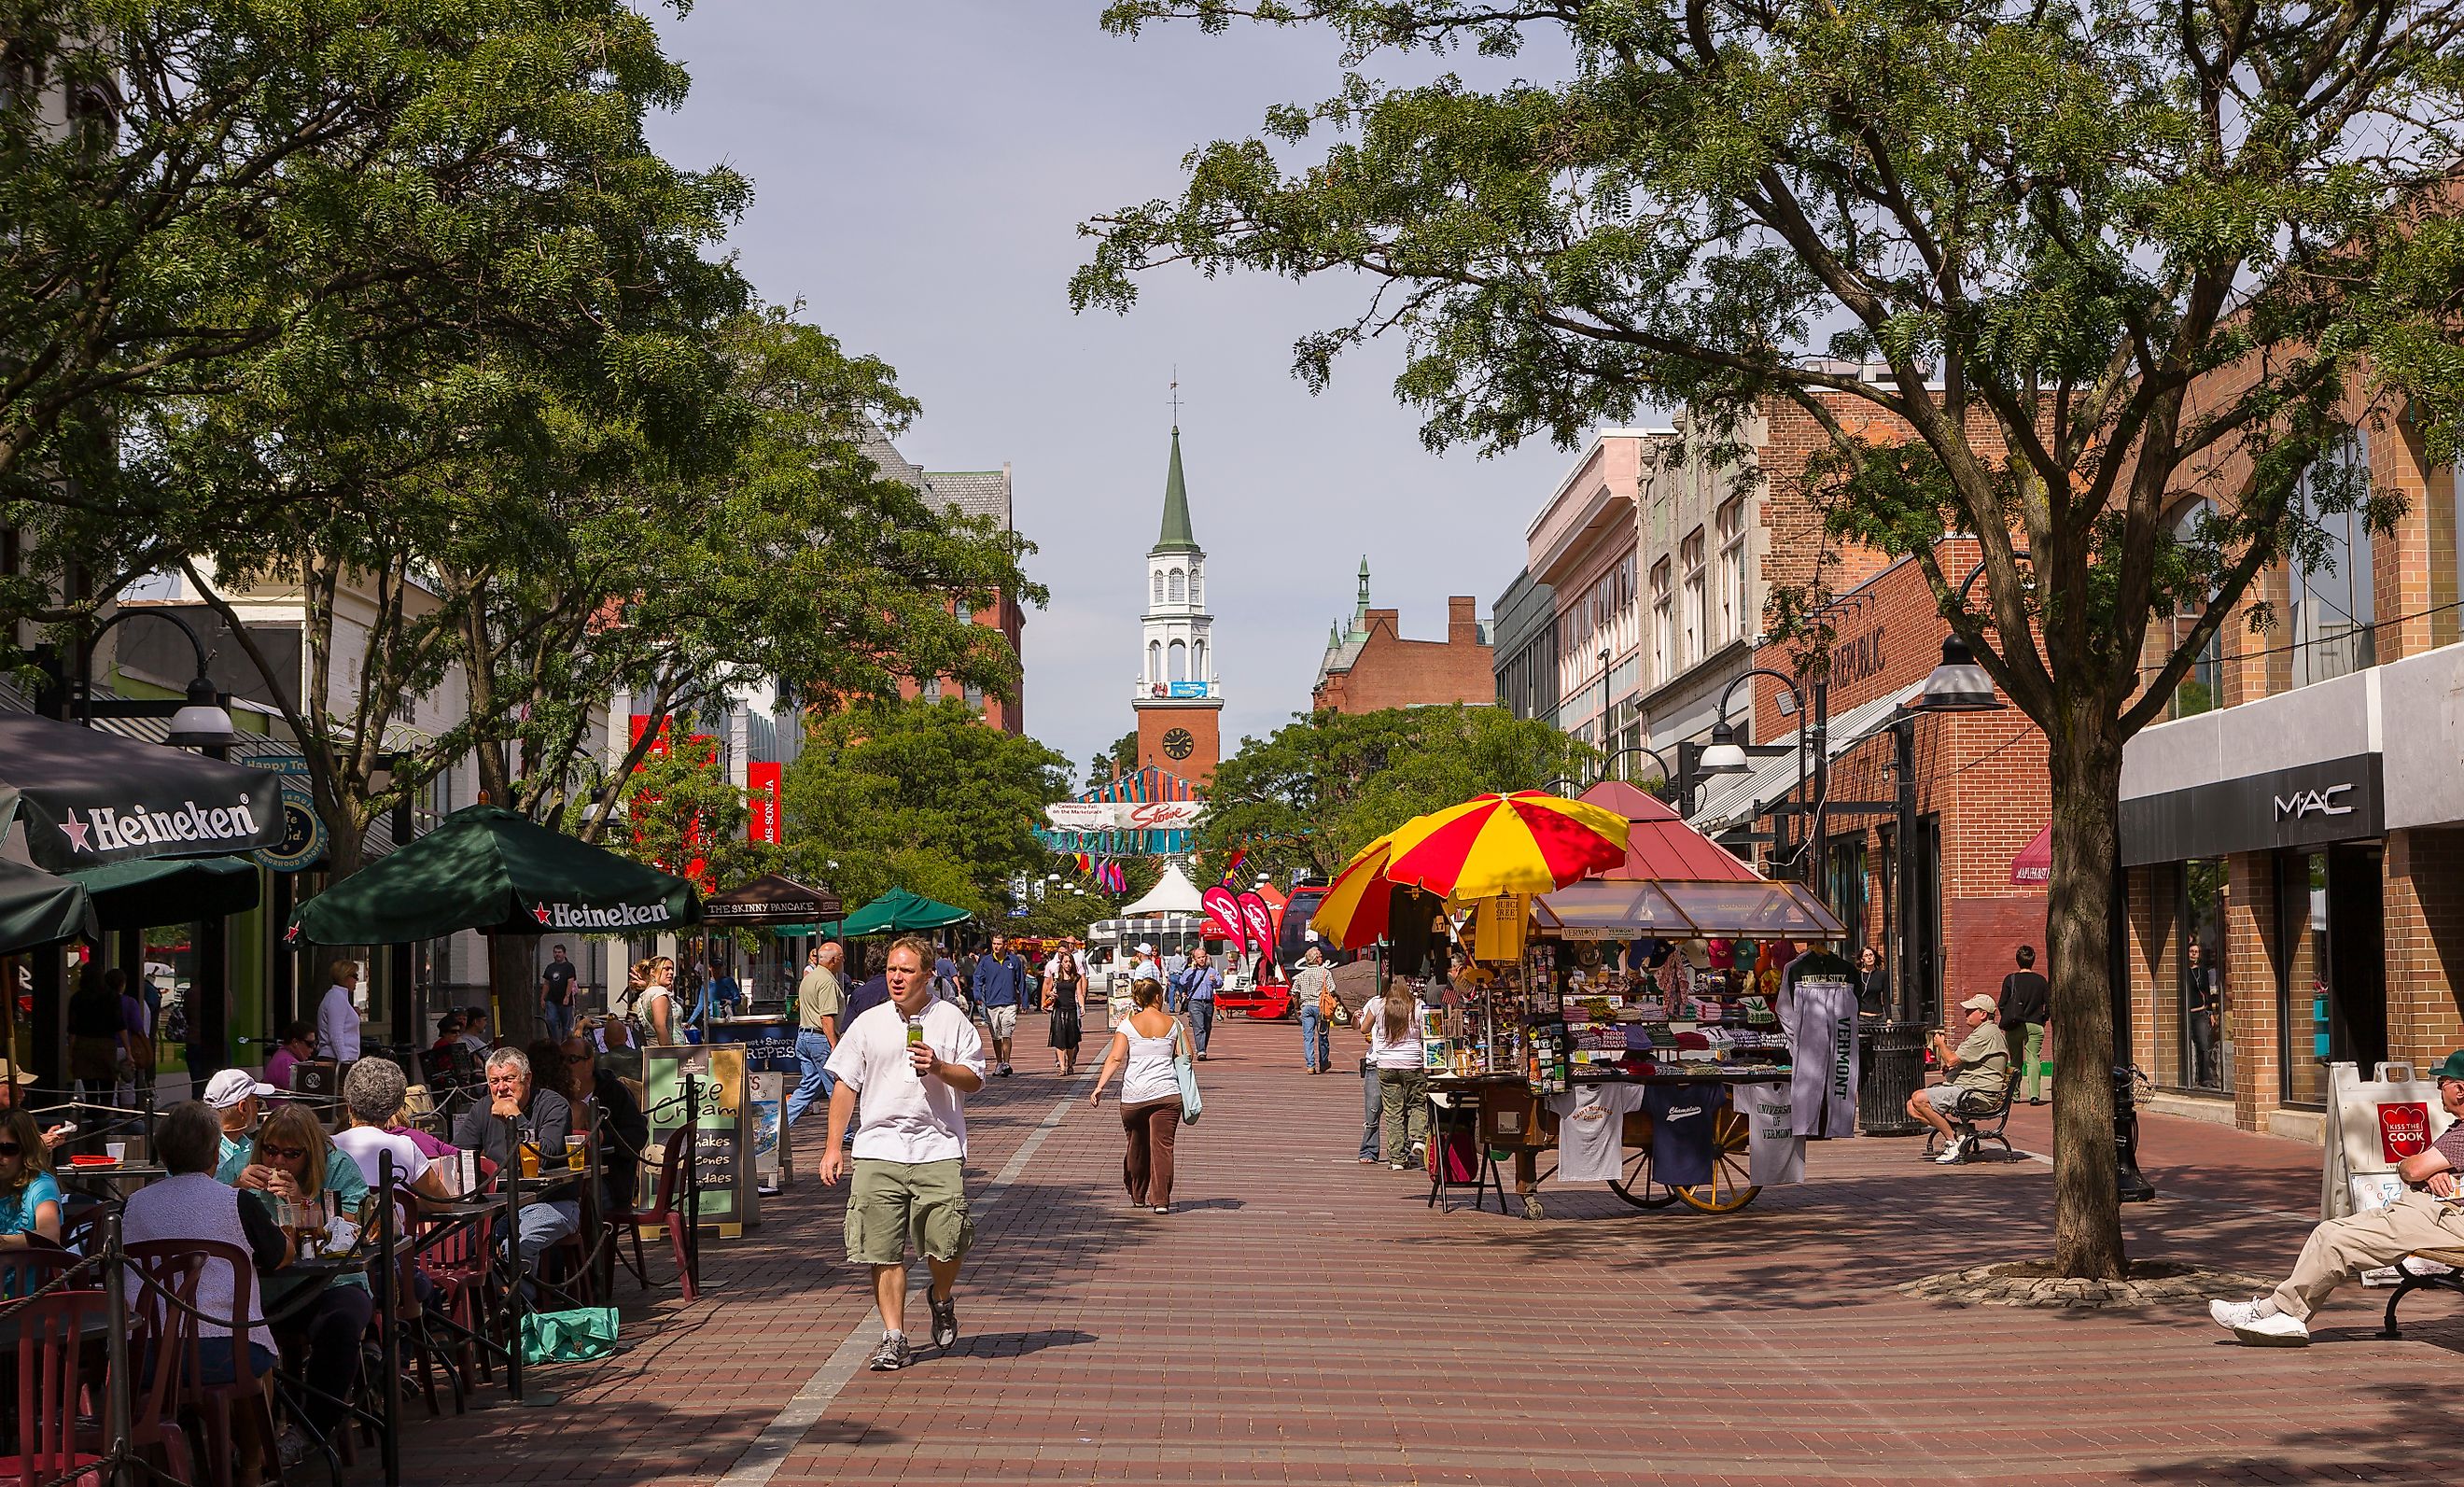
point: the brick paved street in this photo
(1306, 1320)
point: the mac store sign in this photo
(2308, 805)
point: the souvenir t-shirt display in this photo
(1682, 1119)
(1591, 1130)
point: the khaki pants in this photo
(2342, 1247)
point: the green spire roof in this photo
(1177, 536)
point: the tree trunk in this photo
(2084, 761)
(513, 978)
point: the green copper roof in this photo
(1177, 536)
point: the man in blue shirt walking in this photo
(1199, 982)
(1000, 984)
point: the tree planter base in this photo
(2029, 1284)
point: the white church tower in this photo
(1178, 698)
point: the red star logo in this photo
(76, 831)
(540, 913)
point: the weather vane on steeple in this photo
(1176, 397)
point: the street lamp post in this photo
(1724, 755)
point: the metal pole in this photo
(1818, 871)
(690, 1217)
(116, 1404)
(514, 1268)
(1903, 770)
(389, 1330)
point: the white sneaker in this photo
(2234, 1313)
(2276, 1329)
(1951, 1153)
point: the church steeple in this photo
(1178, 535)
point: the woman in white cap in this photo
(237, 1097)
(12, 1083)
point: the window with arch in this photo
(2201, 686)
(2334, 606)
(1155, 660)
(1158, 586)
(1195, 585)
(1198, 660)
(1176, 588)
(1177, 664)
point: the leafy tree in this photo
(923, 796)
(1119, 759)
(680, 810)
(2070, 263)
(1312, 795)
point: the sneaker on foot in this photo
(945, 1319)
(1952, 1153)
(2276, 1329)
(1400, 1166)
(292, 1447)
(893, 1354)
(1163, 1208)
(2235, 1314)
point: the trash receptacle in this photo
(1893, 1059)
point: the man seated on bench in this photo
(2429, 1217)
(1978, 1071)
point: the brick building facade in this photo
(1372, 666)
(2297, 823)
(972, 493)
(1980, 794)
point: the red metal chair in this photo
(245, 1393)
(453, 1255)
(50, 1346)
(662, 1212)
(162, 1346)
(27, 1269)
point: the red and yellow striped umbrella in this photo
(1353, 914)
(1526, 842)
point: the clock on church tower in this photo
(1179, 703)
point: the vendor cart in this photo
(1499, 1116)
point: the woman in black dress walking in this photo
(1065, 981)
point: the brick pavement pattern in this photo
(1303, 1320)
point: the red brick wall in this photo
(1393, 672)
(2424, 904)
(1205, 725)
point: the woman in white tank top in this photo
(1146, 1046)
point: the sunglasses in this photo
(10, 1149)
(281, 1153)
(577, 1059)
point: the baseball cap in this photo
(1145, 948)
(227, 1089)
(11, 1073)
(2451, 1066)
(1980, 1002)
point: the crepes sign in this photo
(584, 918)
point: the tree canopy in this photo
(922, 796)
(2035, 272)
(1316, 790)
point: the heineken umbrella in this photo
(37, 909)
(151, 891)
(899, 910)
(88, 797)
(770, 900)
(487, 869)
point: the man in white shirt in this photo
(338, 1018)
(911, 1143)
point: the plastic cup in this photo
(114, 1149)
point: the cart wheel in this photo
(1635, 1186)
(1531, 1205)
(1731, 1186)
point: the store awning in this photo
(87, 797)
(2034, 866)
(1659, 845)
(1733, 801)
(1606, 909)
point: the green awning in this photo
(899, 911)
(488, 869)
(145, 892)
(37, 909)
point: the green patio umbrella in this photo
(143, 892)
(37, 909)
(488, 869)
(898, 911)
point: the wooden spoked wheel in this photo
(1635, 1185)
(1731, 1186)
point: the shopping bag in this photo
(1186, 1072)
(2371, 1125)
(576, 1336)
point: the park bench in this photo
(1979, 1119)
(2449, 1277)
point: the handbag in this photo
(576, 1336)
(1186, 1070)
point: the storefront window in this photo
(1847, 888)
(2309, 959)
(2206, 1030)
(2198, 690)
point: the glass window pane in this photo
(2207, 998)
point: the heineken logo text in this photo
(106, 830)
(574, 916)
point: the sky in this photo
(920, 168)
